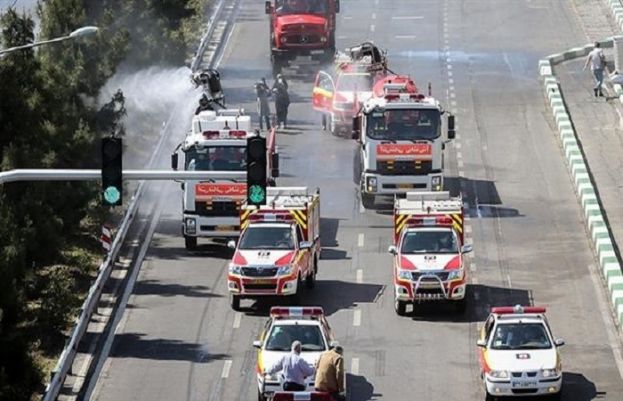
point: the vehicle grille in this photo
(260, 287)
(405, 167)
(302, 39)
(228, 208)
(259, 271)
(521, 374)
(443, 276)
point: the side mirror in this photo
(467, 248)
(257, 344)
(305, 245)
(481, 343)
(451, 129)
(268, 8)
(392, 249)
(559, 342)
(174, 160)
(275, 165)
(337, 6)
(231, 244)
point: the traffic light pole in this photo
(22, 175)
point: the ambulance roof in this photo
(227, 119)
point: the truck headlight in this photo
(323, 39)
(234, 269)
(499, 374)
(284, 39)
(191, 225)
(455, 274)
(371, 184)
(284, 270)
(404, 275)
(436, 183)
(550, 372)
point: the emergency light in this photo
(301, 396)
(517, 309)
(298, 311)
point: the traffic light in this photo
(256, 170)
(112, 171)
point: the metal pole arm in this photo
(91, 175)
(30, 45)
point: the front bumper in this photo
(376, 184)
(523, 387)
(268, 387)
(410, 291)
(220, 227)
(257, 287)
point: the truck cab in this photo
(301, 28)
(399, 131)
(217, 142)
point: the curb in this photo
(593, 214)
(617, 11)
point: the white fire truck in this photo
(400, 138)
(279, 246)
(217, 142)
(338, 96)
(429, 262)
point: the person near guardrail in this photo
(597, 61)
(294, 369)
(330, 373)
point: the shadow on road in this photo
(360, 389)
(134, 345)
(576, 387)
(480, 298)
(154, 287)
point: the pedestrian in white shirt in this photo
(597, 61)
(293, 368)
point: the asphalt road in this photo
(179, 340)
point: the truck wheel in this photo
(310, 280)
(401, 307)
(367, 200)
(234, 301)
(488, 397)
(260, 396)
(190, 243)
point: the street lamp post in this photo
(85, 30)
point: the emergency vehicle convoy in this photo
(518, 353)
(429, 263)
(279, 246)
(301, 28)
(285, 325)
(401, 145)
(338, 95)
(217, 142)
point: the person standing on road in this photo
(282, 101)
(597, 61)
(294, 369)
(330, 372)
(263, 108)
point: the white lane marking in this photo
(372, 28)
(468, 229)
(459, 163)
(449, 66)
(453, 95)
(360, 240)
(451, 86)
(461, 173)
(226, 369)
(458, 145)
(354, 366)
(359, 276)
(453, 104)
(373, 15)
(450, 81)
(237, 319)
(606, 315)
(459, 154)
(473, 267)
(347, 17)
(357, 318)
(474, 281)
(404, 36)
(342, 36)
(361, 208)
(449, 73)
(508, 280)
(408, 17)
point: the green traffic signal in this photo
(112, 195)
(257, 194)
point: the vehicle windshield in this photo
(216, 158)
(281, 338)
(429, 242)
(403, 124)
(258, 237)
(285, 7)
(354, 82)
(517, 336)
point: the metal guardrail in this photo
(65, 361)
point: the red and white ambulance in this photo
(429, 254)
(279, 246)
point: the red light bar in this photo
(301, 396)
(238, 134)
(517, 309)
(391, 97)
(297, 311)
(210, 134)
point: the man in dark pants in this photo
(263, 108)
(330, 373)
(293, 368)
(282, 101)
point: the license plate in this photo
(262, 281)
(405, 186)
(316, 52)
(523, 384)
(225, 228)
